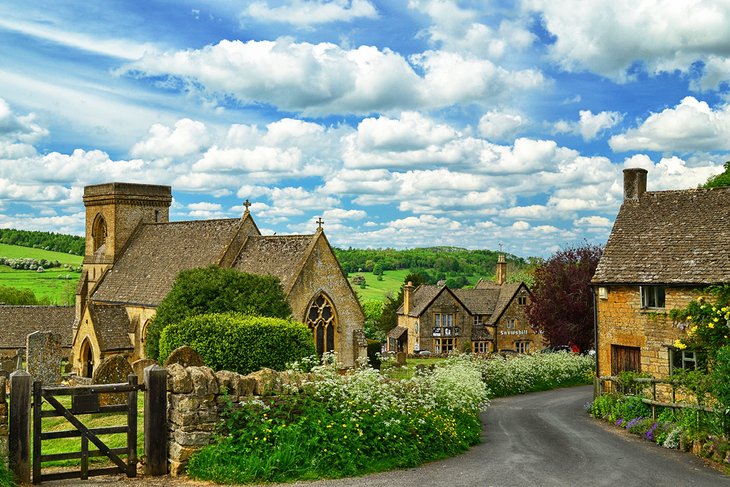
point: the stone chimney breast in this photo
(634, 183)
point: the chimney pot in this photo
(634, 183)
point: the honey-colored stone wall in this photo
(444, 303)
(622, 321)
(507, 338)
(322, 273)
(84, 331)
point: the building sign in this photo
(513, 332)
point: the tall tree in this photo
(722, 179)
(562, 299)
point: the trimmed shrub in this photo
(216, 290)
(240, 343)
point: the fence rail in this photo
(653, 401)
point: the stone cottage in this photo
(491, 317)
(133, 254)
(665, 248)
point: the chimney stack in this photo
(501, 273)
(407, 297)
(634, 183)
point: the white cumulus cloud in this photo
(304, 13)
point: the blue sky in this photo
(401, 123)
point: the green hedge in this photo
(240, 343)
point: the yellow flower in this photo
(689, 318)
(710, 325)
(678, 344)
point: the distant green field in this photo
(57, 284)
(17, 252)
(377, 290)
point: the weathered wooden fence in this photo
(85, 400)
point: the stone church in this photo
(133, 254)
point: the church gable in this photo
(279, 256)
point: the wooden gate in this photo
(86, 400)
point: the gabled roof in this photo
(479, 301)
(156, 254)
(20, 321)
(491, 299)
(112, 326)
(280, 256)
(670, 237)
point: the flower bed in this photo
(338, 425)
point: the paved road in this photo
(541, 439)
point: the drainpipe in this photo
(597, 382)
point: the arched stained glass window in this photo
(322, 321)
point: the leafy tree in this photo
(388, 318)
(562, 299)
(216, 290)
(19, 297)
(373, 311)
(719, 180)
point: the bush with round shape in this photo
(240, 343)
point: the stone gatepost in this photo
(43, 357)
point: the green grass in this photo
(410, 368)
(18, 252)
(47, 284)
(378, 290)
(51, 284)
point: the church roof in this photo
(156, 254)
(670, 237)
(28, 319)
(279, 255)
(112, 326)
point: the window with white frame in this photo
(478, 320)
(652, 296)
(511, 323)
(686, 360)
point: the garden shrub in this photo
(216, 290)
(343, 425)
(536, 372)
(6, 477)
(240, 343)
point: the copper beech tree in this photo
(562, 299)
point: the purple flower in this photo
(619, 421)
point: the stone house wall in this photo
(445, 303)
(507, 338)
(622, 321)
(196, 397)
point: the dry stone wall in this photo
(196, 397)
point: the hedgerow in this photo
(240, 343)
(536, 372)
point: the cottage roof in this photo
(156, 254)
(112, 326)
(280, 256)
(670, 237)
(490, 299)
(28, 319)
(479, 301)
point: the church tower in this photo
(113, 212)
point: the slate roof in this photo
(112, 326)
(397, 332)
(18, 322)
(280, 256)
(145, 272)
(670, 237)
(490, 299)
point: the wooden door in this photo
(625, 359)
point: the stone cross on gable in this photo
(319, 223)
(500, 247)
(247, 204)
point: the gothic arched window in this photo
(321, 319)
(98, 232)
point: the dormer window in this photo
(652, 296)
